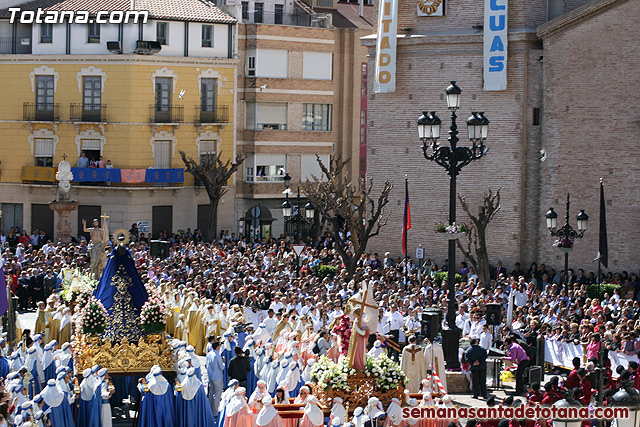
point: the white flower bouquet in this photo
(386, 372)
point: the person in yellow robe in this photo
(54, 325)
(65, 327)
(41, 321)
(196, 332)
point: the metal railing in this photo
(216, 114)
(294, 19)
(41, 112)
(88, 113)
(324, 3)
(15, 45)
(166, 113)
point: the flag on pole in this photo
(4, 298)
(603, 250)
(407, 216)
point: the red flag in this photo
(407, 216)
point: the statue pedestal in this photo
(362, 388)
(63, 227)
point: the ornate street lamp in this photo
(566, 234)
(452, 158)
(629, 398)
(287, 209)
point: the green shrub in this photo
(598, 291)
(444, 275)
(323, 271)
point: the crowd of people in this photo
(263, 317)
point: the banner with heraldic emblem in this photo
(430, 7)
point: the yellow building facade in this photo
(127, 129)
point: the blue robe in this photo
(4, 367)
(34, 383)
(242, 337)
(195, 412)
(157, 411)
(50, 371)
(199, 373)
(221, 416)
(252, 380)
(90, 412)
(228, 355)
(61, 415)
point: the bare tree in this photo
(478, 257)
(214, 174)
(355, 214)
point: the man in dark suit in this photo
(498, 270)
(477, 358)
(50, 283)
(239, 367)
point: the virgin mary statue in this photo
(365, 323)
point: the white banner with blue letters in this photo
(495, 45)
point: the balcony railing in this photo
(107, 177)
(166, 113)
(217, 114)
(295, 19)
(16, 45)
(41, 112)
(88, 113)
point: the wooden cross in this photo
(362, 305)
(64, 156)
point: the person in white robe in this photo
(282, 377)
(292, 379)
(270, 374)
(394, 413)
(337, 410)
(413, 364)
(306, 374)
(255, 400)
(105, 393)
(237, 412)
(261, 335)
(373, 407)
(437, 356)
(313, 415)
(376, 350)
(359, 417)
(268, 415)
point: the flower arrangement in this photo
(153, 315)
(453, 228)
(76, 283)
(565, 242)
(343, 330)
(92, 317)
(387, 373)
(327, 374)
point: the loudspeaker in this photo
(431, 319)
(494, 314)
(535, 374)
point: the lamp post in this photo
(628, 397)
(452, 158)
(566, 234)
(287, 209)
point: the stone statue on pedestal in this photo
(64, 177)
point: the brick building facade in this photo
(549, 101)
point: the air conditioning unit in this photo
(147, 47)
(114, 47)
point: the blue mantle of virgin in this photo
(122, 293)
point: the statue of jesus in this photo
(365, 322)
(99, 239)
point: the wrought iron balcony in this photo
(215, 114)
(48, 112)
(88, 113)
(166, 113)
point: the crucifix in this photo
(360, 306)
(64, 156)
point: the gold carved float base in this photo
(362, 388)
(124, 357)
